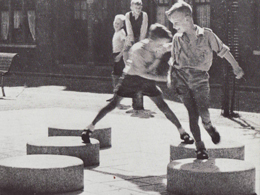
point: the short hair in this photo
(159, 31)
(180, 6)
(120, 16)
(137, 2)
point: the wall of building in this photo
(44, 32)
(59, 39)
(248, 40)
(248, 35)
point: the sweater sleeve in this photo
(129, 29)
(217, 45)
(144, 26)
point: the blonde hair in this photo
(180, 6)
(120, 17)
(138, 2)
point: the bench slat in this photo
(6, 61)
(5, 64)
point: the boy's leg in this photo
(191, 107)
(115, 79)
(108, 108)
(162, 105)
(138, 101)
(193, 113)
(203, 101)
(188, 99)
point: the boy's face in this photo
(118, 24)
(180, 22)
(136, 8)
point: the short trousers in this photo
(192, 79)
(192, 84)
(130, 85)
(118, 66)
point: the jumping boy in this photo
(136, 28)
(192, 55)
(139, 77)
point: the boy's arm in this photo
(236, 68)
(129, 29)
(154, 77)
(138, 58)
(144, 26)
(123, 39)
(118, 57)
(169, 78)
(171, 64)
(223, 51)
(148, 75)
(159, 54)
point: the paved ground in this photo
(136, 163)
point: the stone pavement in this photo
(137, 161)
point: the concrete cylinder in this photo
(41, 174)
(211, 177)
(225, 149)
(71, 146)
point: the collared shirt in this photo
(140, 58)
(198, 54)
(118, 41)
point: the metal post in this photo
(2, 85)
(230, 101)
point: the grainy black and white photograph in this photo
(130, 97)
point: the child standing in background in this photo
(136, 22)
(118, 45)
(136, 28)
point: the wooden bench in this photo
(6, 60)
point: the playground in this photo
(137, 161)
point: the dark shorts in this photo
(130, 85)
(118, 66)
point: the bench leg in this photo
(2, 85)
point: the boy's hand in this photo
(239, 73)
(160, 51)
(170, 81)
(128, 42)
(117, 58)
(168, 46)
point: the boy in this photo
(139, 77)
(192, 53)
(136, 22)
(136, 28)
(118, 43)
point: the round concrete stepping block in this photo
(225, 149)
(102, 134)
(71, 146)
(41, 174)
(211, 177)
